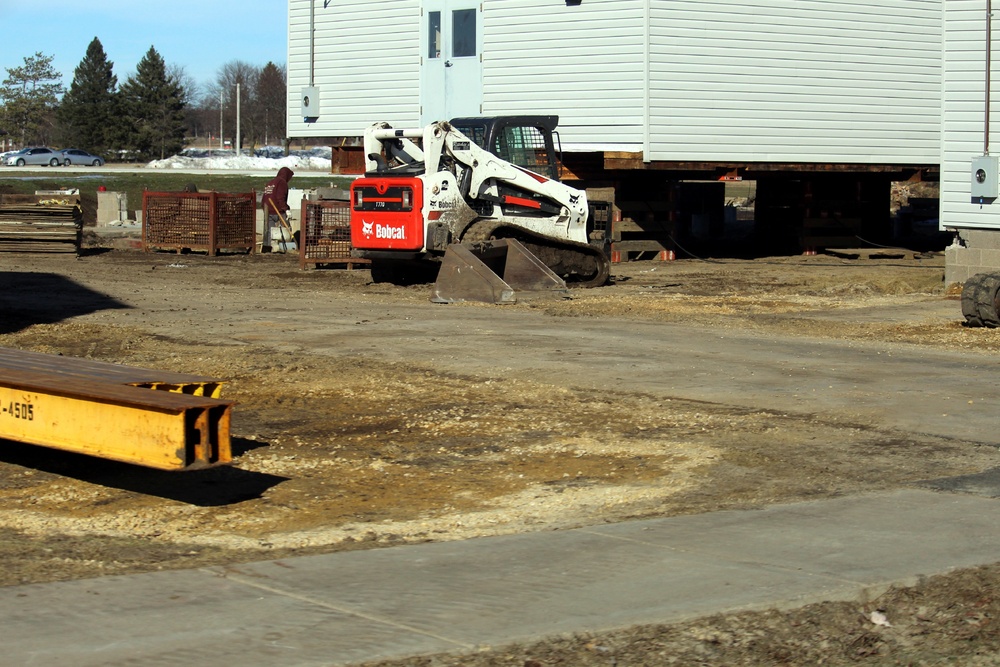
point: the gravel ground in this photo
(340, 449)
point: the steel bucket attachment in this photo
(496, 271)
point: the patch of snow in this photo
(267, 158)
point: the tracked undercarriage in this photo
(579, 264)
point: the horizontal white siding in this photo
(964, 113)
(801, 81)
(367, 65)
(586, 64)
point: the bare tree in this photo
(233, 73)
(194, 118)
(203, 119)
(189, 87)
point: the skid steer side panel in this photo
(497, 271)
(386, 213)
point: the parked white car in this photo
(36, 155)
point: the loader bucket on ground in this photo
(496, 271)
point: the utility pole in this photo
(237, 119)
(222, 135)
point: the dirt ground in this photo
(338, 451)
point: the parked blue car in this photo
(71, 156)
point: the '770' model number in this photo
(18, 410)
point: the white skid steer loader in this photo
(426, 190)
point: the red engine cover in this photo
(386, 213)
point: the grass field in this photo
(133, 184)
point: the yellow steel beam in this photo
(110, 411)
(99, 371)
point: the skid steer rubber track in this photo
(579, 264)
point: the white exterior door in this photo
(452, 72)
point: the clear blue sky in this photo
(199, 36)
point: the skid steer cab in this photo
(468, 181)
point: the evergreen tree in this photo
(270, 100)
(89, 112)
(30, 95)
(153, 103)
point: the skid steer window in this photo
(434, 35)
(525, 147)
(463, 33)
(475, 132)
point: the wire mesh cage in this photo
(325, 235)
(203, 221)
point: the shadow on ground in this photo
(212, 487)
(27, 299)
(986, 483)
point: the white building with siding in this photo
(966, 136)
(760, 81)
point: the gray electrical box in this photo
(985, 177)
(310, 102)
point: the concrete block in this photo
(971, 257)
(954, 274)
(988, 239)
(990, 257)
(112, 208)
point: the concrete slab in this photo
(187, 618)
(866, 540)
(493, 590)
(345, 608)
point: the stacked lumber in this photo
(41, 223)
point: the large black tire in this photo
(970, 308)
(986, 300)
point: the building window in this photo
(434, 35)
(463, 33)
